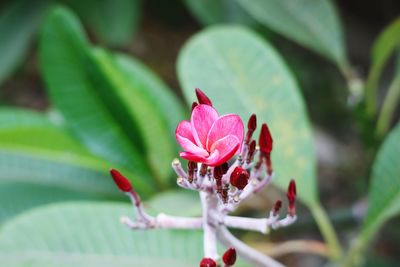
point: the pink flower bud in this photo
(203, 98)
(122, 182)
(239, 178)
(208, 262)
(265, 140)
(229, 257)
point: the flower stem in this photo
(327, 231)
(355, 257)
(388, 108)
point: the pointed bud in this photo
(239, 178)
(291, 196)
(194, 104)
(122, 182)
(252, 123)
(220, 170)
(208, 262)
(229, 257)
(202, 97)
(252, 150)
(203, 169)
(265, 140)
(251, 126)
(192, 167)
(277, 207)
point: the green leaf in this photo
(384, 46)
(90, 234)
(189, 203)
(114, 22)
(245, 75)
(50, 157)
(127, 89)
(18, 24)
(312, 23)
(161, 96)
(218, 11)
(64, 59)
(14, 117)
(384, 194)
(16, 198)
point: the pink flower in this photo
(209, 138)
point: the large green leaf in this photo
(384, 194)
(64, 58)
(189, 203)
(18, 24)
(243, 74)
(218, 11)
(18, 197)
(35, 151)
(312, 23)
(385, 45)
(128, 90)
(114, 22)
(90, 234)
(161, 96)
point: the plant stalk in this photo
(388, 107)
(328, 232)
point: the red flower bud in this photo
(252, 123)
(265, 140)
(252, 150)
(208, 262)
(229, 257)
(251, 126)
(194, 104)
(277, 207)
(192, 168)
(239, 178)
(122, 182)
(202, 97)
(291, 195)
(220, 170)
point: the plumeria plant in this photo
(226, 167)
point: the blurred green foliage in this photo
(110, 110)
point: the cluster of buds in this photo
(225, 166)
(229, 259)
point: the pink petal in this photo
(184, 129)
(190, 147)
(203, 117)
(225, 125)
(184, 137)
(192, 157)
(223, 150)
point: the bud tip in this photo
(122, 182)
(229, 257)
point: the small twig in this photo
(253, 256)
(164, 221)
(209, 229)
(296, 246)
